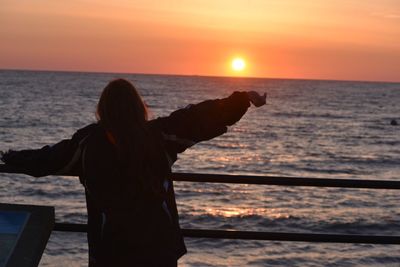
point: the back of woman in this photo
(124, 167)
(128, 224)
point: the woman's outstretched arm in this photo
(206, 120)
(60, 158)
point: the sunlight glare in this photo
(238, 64)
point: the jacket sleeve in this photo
(61, 158)
(204, 121)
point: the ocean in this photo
(308, 128)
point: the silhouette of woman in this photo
(124, 161)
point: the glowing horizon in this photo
(339, 40)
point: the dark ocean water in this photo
(308, 128)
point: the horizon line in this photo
(200, 75)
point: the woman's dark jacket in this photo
(125, 224)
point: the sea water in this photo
(308, 128)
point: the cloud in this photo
(385, 15)
(392, 16)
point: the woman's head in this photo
(122, 113)
(120, 104)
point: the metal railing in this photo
(277, 236)
(284, 181)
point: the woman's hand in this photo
(256, 99)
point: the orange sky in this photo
(320, 39)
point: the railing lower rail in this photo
(253, 235)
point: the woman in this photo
(124, 163)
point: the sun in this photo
(238, 64)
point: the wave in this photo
(310, 115)
(291, 224)
(385, 142)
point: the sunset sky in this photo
(320, 39)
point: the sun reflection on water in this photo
(229, 212)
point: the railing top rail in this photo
(285, 181)
(270, 180)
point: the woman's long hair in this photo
(123, 114)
